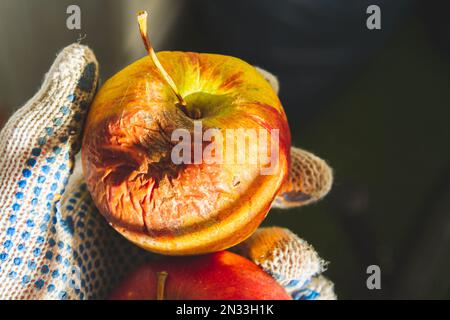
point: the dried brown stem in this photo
(142, 22)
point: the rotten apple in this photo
(198, 205)
(217, 276)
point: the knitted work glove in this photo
(53, 243)
(289, 260)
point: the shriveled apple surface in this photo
(187, 208)
(218, 276)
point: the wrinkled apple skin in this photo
(180, 209)
(217, 276)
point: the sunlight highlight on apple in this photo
(240, 146)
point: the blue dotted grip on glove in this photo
(54, 244)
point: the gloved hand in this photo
(53, 242)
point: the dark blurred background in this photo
(373, 103)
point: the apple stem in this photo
(162, 276)
(142, 22)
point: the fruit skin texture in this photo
(217, 276)
(180, 209)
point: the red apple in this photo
(217, 276)
(188, 208)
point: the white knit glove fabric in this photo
(53, 242)
(291, 261)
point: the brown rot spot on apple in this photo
(139, 185)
